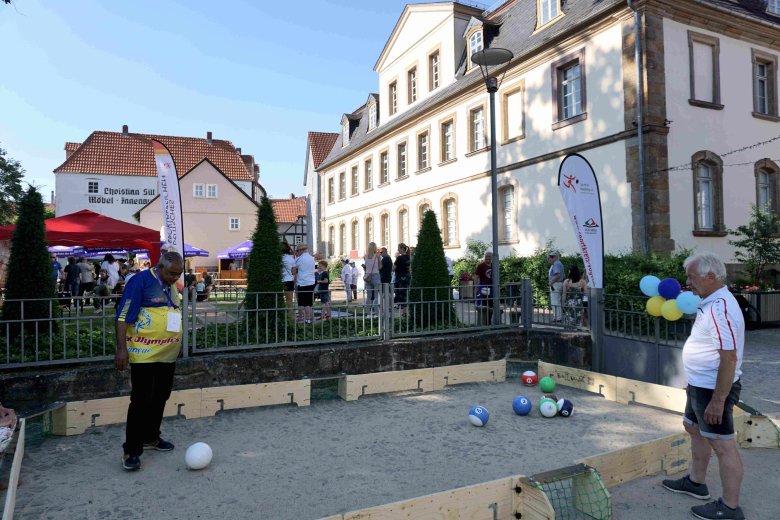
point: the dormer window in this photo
(475, 45)
(548, 11)
(773, 7)
(371, 116)
(345, 133)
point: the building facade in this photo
(114, 173)
(710, 126)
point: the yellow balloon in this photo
(653, 305)
(670, 311)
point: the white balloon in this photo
(198, 455)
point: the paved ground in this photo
(306, 463)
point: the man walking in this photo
(555, 277)
(148, 337)
(346, 277)
(712, 358)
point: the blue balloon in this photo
(688, 302)
(669, 288)
(649, 285)
(521, 405)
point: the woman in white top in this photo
(304, 277)
(373, 261)
(288, 263)
(111, 266)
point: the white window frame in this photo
(331, 190)
(393, 97)
(403, 225)
(773, 7)
(90, 185)
(234, 223)
(199, 191)
(209, 194)
(368, 174)
(355, 180)
(402, 151)
(371, 116)
(764, 80)
(434, 70)
(342, 185)
(477, 137)
(476, 44)
(411, 76)
(508, 213)
(549, 10)
(344, 134)
(423, 151)
(384, 167)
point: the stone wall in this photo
(29, 389)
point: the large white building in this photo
(710, 71)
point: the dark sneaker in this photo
(161, 445)
(686, 487)
(717, 510)
(131, 462)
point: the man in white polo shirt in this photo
(712, 358)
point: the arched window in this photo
(707, 193)
(449, 210)
(355, 235)
(423, 206)
(767, 185)
(332, 241)
(403, 225)
(506, 197)
(369, 229)
(342, 239)
(384, 222)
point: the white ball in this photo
(548, 408)
(198, 455)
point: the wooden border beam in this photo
(16, 468)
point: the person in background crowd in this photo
(304, 276)
(148, 338)
(72, 278)
(190, 278)
(56, 271)
(450, 270)
(112, 268)
(104, 287)
(371, 277)
(208, 283)
(346, 277)
(386, 267)
(147, 265)
(402, 278)
(323, 288)
(86, 279)
(288, 263)
(555, 279)
(575, 290)
(131, 272)
(484, 278)
(353, 283)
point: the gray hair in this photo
(169, 258)
(705, 263)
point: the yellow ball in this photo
(670, 311)
(653, 305)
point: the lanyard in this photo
(162, 287)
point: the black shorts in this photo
(324, 296)
(698, 399)
(289, 286)
(305, 295)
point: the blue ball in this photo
(565, 407)
(669, 288)
(478, 416)
(521, 405)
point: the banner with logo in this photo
(580, 191)
(170, 198)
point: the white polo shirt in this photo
(719, 326)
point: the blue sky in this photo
(254, 72)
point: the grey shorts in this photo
(698, 399)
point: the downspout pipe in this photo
(640, 120)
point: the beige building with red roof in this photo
(318, 146)
(114, 173)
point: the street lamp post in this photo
(486, 58)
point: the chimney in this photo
(209, 140)
(238, 151)
(125, 130)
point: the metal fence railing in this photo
(79, 330)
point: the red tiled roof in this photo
(321, 143)
(115, 153)
(288, 210)
(72, 147)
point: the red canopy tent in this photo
(89, 229)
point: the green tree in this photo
(11, 173)
(429, 293)
(29, 267)
(264, 279)
(757, 245)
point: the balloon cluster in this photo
(667, 298)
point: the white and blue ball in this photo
(565, 407)
(478, 416)
(522, 405)
(198, 455)
(547, 407)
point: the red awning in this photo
(89, 229)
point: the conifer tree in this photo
(429, 294)
(264, 274)
(29, 267)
